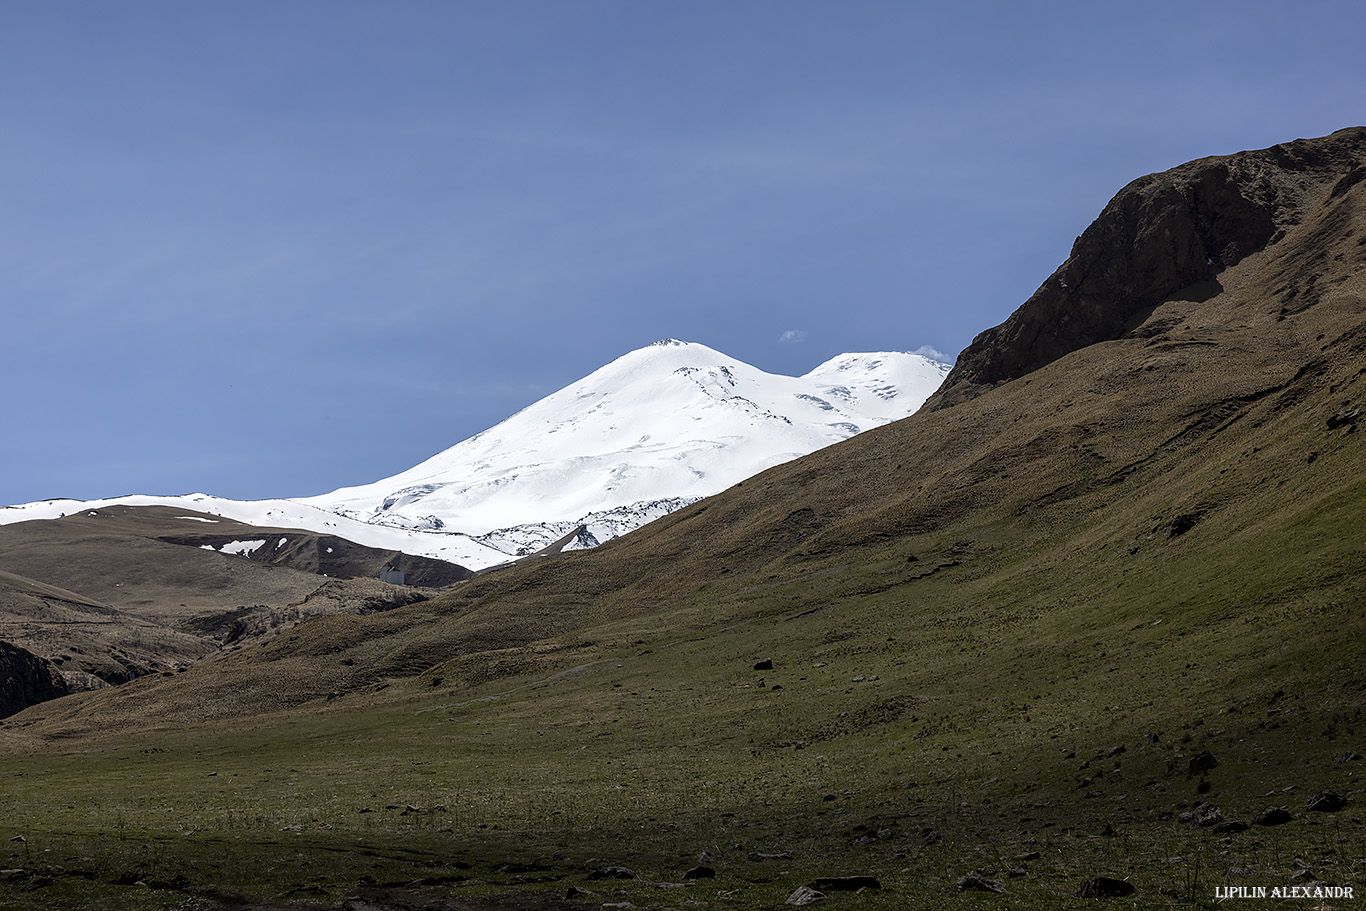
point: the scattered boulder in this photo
(700, 872)
(804, 895)
(612, 872)
(1181, 524)
(574, 892)
(1346, 417)
(930, 835)
(846, 883)
(1105, 887)
(1203, 816)
(1231, 828)
(1327, 802)
(976, 882)
(1203, 762)
(765, 665)
(1272, 816)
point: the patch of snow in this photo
(242, 548)
(198, 519)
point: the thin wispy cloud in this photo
(792, 337)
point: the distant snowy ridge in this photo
(453, 548)
(649, 433)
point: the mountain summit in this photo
(652, 431)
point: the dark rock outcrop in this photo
(26, 679)
(804, 895)
(1272, 816)
(1203, 762)
(1162, 234)
(977, 882)
(1204, 815)
(1105, 887)
(1327, 802)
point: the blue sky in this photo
(270, 249)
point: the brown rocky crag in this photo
(1159, 235)
(26, 679)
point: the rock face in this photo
(1162, 234)
(25, 680)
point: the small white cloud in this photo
(792, 336)
(932, 353)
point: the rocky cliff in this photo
(25, 680)
(1160, 235)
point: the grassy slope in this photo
(604, 704)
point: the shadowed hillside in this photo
(128, 591)
(1091, 612)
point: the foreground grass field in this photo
(1025, 698)
(983, 707)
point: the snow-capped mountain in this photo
(654, 430)
(650, 432)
